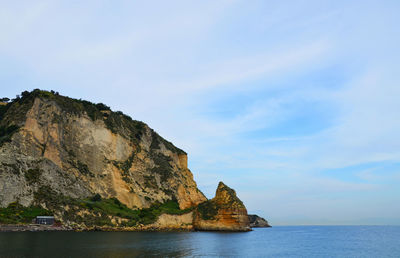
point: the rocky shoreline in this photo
(46, 228)
(32, 228)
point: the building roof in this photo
(45, 217)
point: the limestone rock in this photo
(95, 169)
(258, 222)
(225, 212)
(172, 222)
(77, 149)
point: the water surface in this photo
(293, 241)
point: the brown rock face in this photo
(258, 222)
(79, 149)
(92, 167)
(224, 212)
(172, 222)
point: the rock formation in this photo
(77, 151)
(224, 212)
(258, 222)
(90, 166)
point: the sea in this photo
(278, 241)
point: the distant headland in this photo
(90, 168)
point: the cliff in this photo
(92, 167)
(258, 222)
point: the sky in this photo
(294, 104)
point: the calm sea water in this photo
(293, 241)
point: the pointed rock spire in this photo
(224, 212)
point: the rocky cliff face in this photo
(224, 212)
(77, 149)
(258, 222)
(93, 167)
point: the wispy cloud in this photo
(289, 104)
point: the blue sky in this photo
(294, 104)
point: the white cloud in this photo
(163, 63)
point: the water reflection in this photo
(357, 241)
(94, 244)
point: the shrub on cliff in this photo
(208, 210)
(15, 213)
(6, 133)
(33, 175)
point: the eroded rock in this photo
(58, 153)
(80, 150)
(225, 212)
(258, 222)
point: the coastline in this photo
(31, 228)
(43, 228)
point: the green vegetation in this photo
(56, 118)
(55, 201)
(163, 166)
(20, 105)
(114, 207)
(14, 112)
(68, 105)
(3, 110)
(208, 210)
(100, 209)
(52, 199)
(117, 122)
(33, 175)
(231, 193)
(82, 167)
(96, 198)
(155, 142)
(150, 181)
(122, 124)
(127, 164)
(108, 207)
(157, 139)
(13, 167)
(6, 133)
(16, 213)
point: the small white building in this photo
(44, 220)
